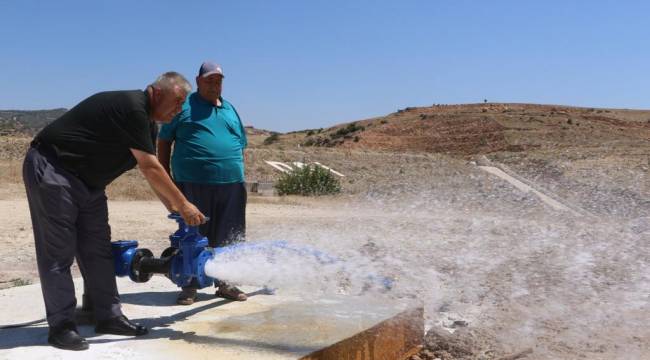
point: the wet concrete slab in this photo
(280, 326)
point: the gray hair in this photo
(170, 79)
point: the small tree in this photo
(309, 180)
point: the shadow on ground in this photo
(36, 335)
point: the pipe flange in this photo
(202, 278)
(170, 251)
(135, 274)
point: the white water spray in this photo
(289, 267)
(478, 252)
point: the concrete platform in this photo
(280, 326)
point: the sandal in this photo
(186, 297)
(230, 292)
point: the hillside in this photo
(25, 122)
(584, 155)
(480, 129)
(452, 129)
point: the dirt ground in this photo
(144, 221)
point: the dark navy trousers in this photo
(69, 220)
(225, 204)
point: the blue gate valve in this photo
(183, 262)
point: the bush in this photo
(344, 131)
(271, 139)
(307, 181)
(318, 141)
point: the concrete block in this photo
(281, 326)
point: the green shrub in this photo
(308, 181)
(344, 131)
(309, 142)
(271, 139)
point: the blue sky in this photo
(293, 65)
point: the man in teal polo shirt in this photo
(207, 165)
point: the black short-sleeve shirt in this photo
(94, 138)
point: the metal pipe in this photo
(153, 265)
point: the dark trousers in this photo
(69, 220)
(225, 205)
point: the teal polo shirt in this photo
(208, 142)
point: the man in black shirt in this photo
(65, 172)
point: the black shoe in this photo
(120, 325)
(67, 338)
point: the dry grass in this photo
(363, 168)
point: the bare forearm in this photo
(163, 186)
(162, 199)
